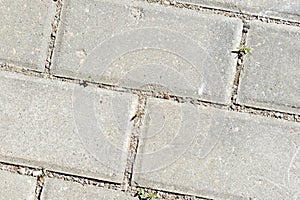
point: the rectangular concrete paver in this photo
(25, 29)
(271, 76)
(218, 154)
(287, 9)
(64, 127)
(149, 47)
(55, 189)
(16, 187)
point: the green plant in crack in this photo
(142, 195)
(245, 49)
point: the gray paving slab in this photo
(151, 47)
(288, 9)
(57, 189)
(64, 127)
(217, 154)
(271, 76)
(25, 29)
(16, 187)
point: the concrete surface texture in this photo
(150, 99)
(25, 29)
(15, 186)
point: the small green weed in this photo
(245, 49)
(146, 196)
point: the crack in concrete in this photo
(52, 42)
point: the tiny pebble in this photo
(22, 171)
(133, 188)
(166, 3)
(166, 96)
(37, 173)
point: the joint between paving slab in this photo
(154, 94)
(166, 194)
(241, 53)
(85, 83)
(266, 113)
(234, 107)
(83, 180)
(134, 141)
(225, 12)
(21, 169)
(22, 70)
(55, 23)
(39, 186)
(42, 174)
(131, 190)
